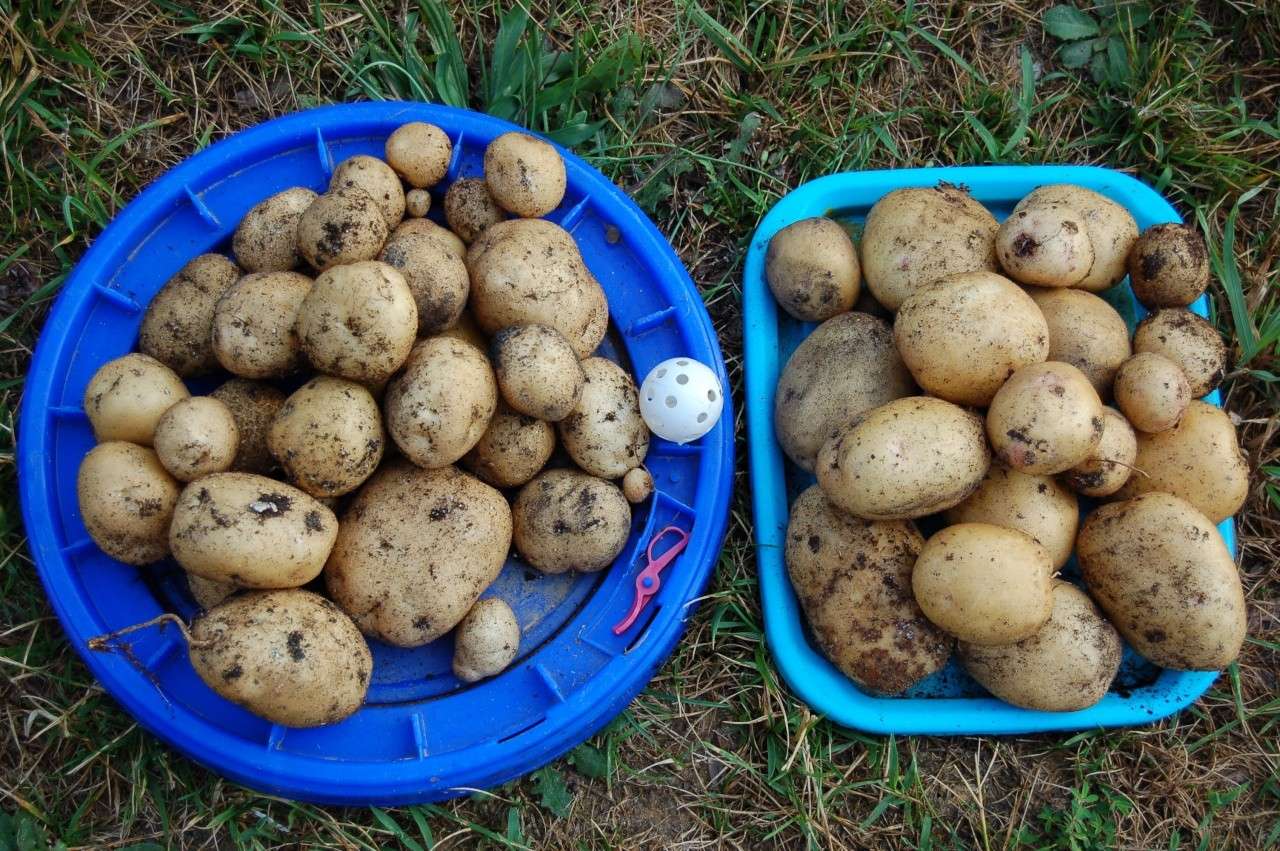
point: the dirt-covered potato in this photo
(177, 329)
(812, 269)
(1198, 460)
(905, 459)
(1169, 266)
(1045, 419)
(512, 450)
(253, 325)
(637, 485)
(1188, 340)
(126, 500)
(447, 238)
(853, 580)
(126, 397)
(208, 592)
(344, 225)
(1110, 464)
(1068, 665)
(328, 436)
(196, 437)
(266, 240)
(378, 180)
(290, 657)
(538, 371)
(253, 405)
(525, 175)
(486, 641)
(1159, 569)
(420, 153)
(358, 322)
(1045, 244)
(251, 531)
(470, 209)
(417, 203)
(984, 584)
(962, 336)
(1085, 332)
(569, 520)
(605, 434)
(1151, 391)
(847, 366)
(440, 406)
(1110, 227)
(914, 237)
(436, 275)
(415, 550)
(1037, 505)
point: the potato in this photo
(1151, 391)
(251, 531)
(287, 656)
(914, 237)
(512, 449)
(962, 336)
(266, 240)
(637, 485)
(568, 520)
(1068, 665)
(445, 237)
(1110, 463)
(847, 366)
(415, 550)
(1110, 228)
(126, 501)
(177, 329)
(905, 459)
(207, 592)
(1188, 340)
(253, 406)
(417, 203)
(441, 405)
(1045, 244)
(1169, 266)
(470, 209)
(1198, 460)
(420, 153)
(1045, 419)
(984, 584)
(525, 175)
(328, 436)
(1159, 569)
(358, 322)
(853, 580)
(1085, 332)
(253, 325)
(436, 275)
(378, 180)
(344, 225)
(126, 397)
(605, 434)
(812, 269)
(486, 641)
(1037, 505)
(538, 371)
(196, 437)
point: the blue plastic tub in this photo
(949, 702)
(422, 735)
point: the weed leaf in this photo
(1068, 23)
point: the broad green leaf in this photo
(1076, 54)
(1127, 13)
(590, 761)
(1068, 23)
(552, 792)
(1098, 67)
(1118, 69)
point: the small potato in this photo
(1045, 244)
(251, 531)
(436, 275)
(1045, 419)
(1152, 392)
(196, 437)
(1110, 227)
(1110, 464)
(605, 434)
(812, 269)
(486, 641)
(1085, 332)
(512, 450)
(417, 203)
(637, 485)
(290, 657)
(207, 592)
(378, 180)
(1188, 340)
(1068, 665)
(1169, 266)
(328, 436)
(253, 325)
(266, 240)
(177, 329)
(420, 153)
(538, 371)
(358, 322)
(963, 335)
(525, 175)
(445, 237)
(905, 459)
(1037, 505)
(126, 501)
(126, 397)
(470, 209)
(441, 405)
(566, 520)
(343, 225)
(961, 567)
(253, 406)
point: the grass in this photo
(707, 111)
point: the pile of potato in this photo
(343, 321)
(973, 387)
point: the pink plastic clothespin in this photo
(648, 580)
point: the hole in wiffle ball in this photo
(682, 379)
(662, 373)
(671, 401)
(702, 417)
(682, 362)
(711, 395)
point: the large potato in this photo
(605, 434)
(1045, 419)
(469, 208)
(420, 153)
(486, 641)
(1085, 332)
(377, 179)
(1152, 392)
(1188, 340)
(436, 275)
(567, 520)
(328, 436)
(1109, 226)
(1045, 244)
(126, 501)
(126, 397)
(525, 175)
(344, 225)
(1037, 505)
(812, 269)
(1160, 570)
(853, 580)
(1169, 266)
(266, 240)
(196, 437)
(1110, 464)
(538, 371)
(446, 238)
(253, 406)
(512, 450)
(253, 325)
(415, 550)
(177, 329)
(441, 405)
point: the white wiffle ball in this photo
(681, 400)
